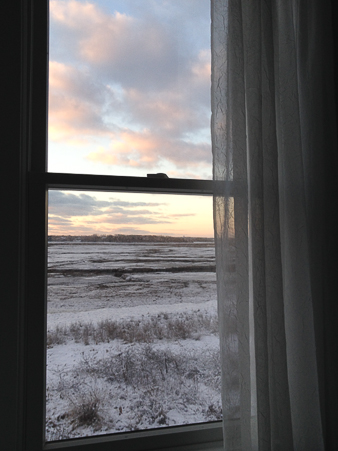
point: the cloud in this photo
(134, 51)
(124, 211)
(134, 84)
(71, 213)
(146, 150)
(151, 52)
(172, 113)
(62, 206)
(77, 104)
(123, 203)
(75, 213)
(57, 221)
(69, 205)
(128, 219)
(77, 108)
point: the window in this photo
(41, 181)
(22, 331)
(132, 326)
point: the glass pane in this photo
(129, 87)
(132, 330)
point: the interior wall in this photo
(12, 188)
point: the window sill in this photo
(204, 436)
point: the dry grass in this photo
(142, 383)
(163, 326)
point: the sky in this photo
(86, 213)
(129, 94)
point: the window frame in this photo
(38, 182)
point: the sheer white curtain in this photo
(271, 109)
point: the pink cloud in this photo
(134, 51)
(75, 104)
(129, 149)
(75, 14)
(168, 111)
(76, 115)
(146, 149)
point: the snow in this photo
(67, 318)
(102, 385)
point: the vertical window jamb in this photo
(35, 303)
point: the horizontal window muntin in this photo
(133, 184)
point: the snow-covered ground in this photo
(132, 337)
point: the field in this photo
(132, 338)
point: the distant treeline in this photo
(127, 239)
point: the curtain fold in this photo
(268, 122)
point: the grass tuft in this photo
(160, 327)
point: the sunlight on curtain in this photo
(267, 132)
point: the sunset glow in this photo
(87, 213)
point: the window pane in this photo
(132, 339)
(129, 87)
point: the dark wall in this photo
(12, 220)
